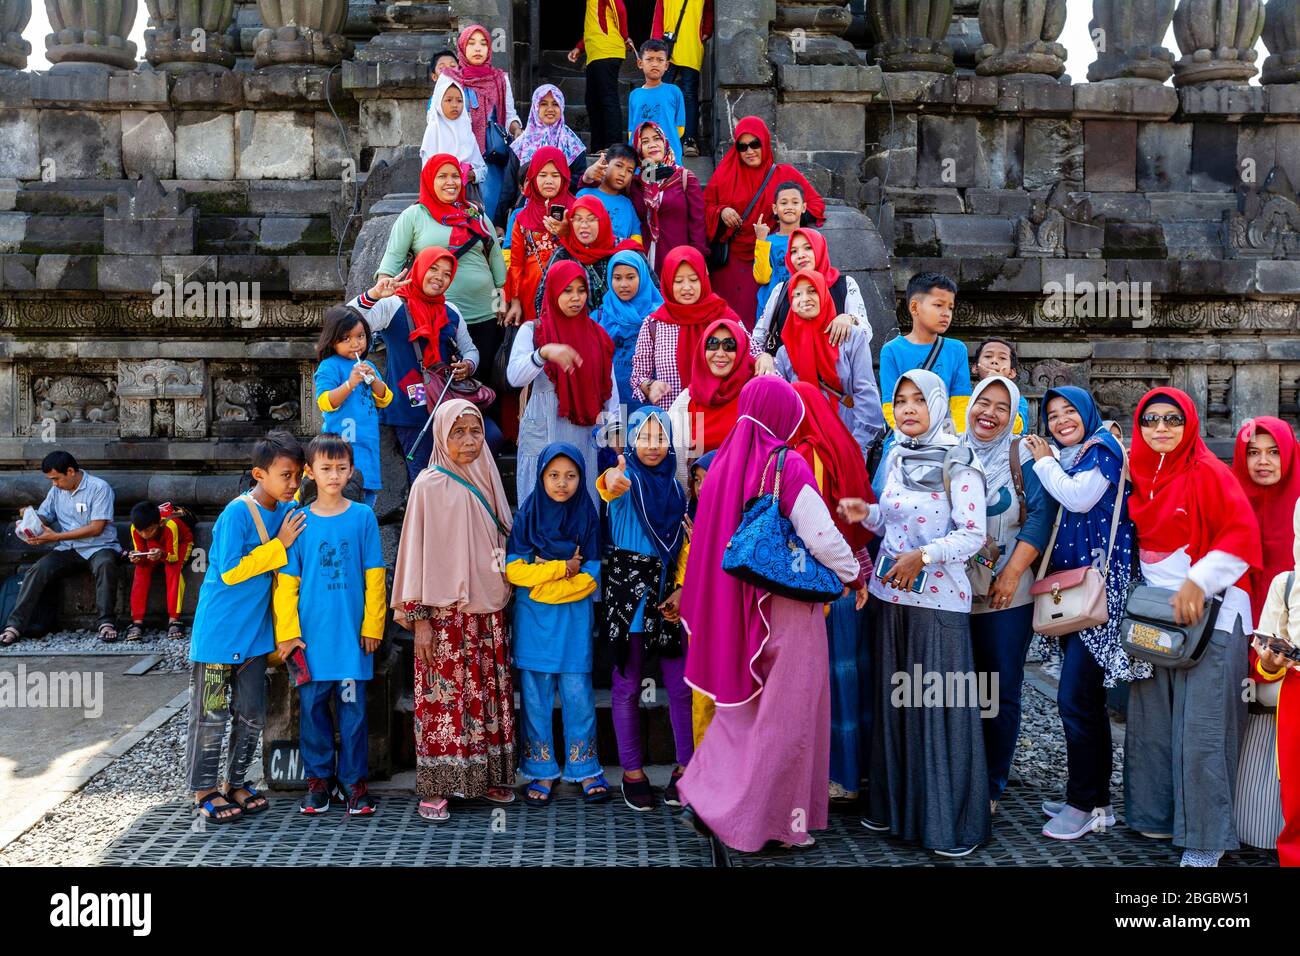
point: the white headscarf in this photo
(921, 459)
(995, 454)
(442, 135)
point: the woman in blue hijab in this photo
(553, 559)
(632, 296)
(1089, 482)
(646, 508)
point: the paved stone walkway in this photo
(568, 833)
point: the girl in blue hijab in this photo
(553, 559)
(624, 309)
(646, 508)
(1089, 482)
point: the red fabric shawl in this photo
(583, 392)
(485, 80)
(821, 256)
(428, 313)
(734, 184)
(538, 206)
(1274, 505)
(809, 350)
(690, 319)
(459, 214)
(822, 432)
(714, 403)
(1188, 497)
(604, 244)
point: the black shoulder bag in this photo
(720, 247)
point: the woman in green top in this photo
(443, 217)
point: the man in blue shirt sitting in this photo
(77, 518)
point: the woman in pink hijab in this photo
(759, 775)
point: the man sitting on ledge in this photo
(80, 507)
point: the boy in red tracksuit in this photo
(158, 537)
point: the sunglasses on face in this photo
(713, 343)
(747, 145)
(1173, 420)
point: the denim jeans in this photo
(316, 729)
(1000, 641)
(221, 693)
(578, 708)
(688, 81)
(1081, 700)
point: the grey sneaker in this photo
(1053, 808)
(1070, 824)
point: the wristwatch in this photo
(925, 557)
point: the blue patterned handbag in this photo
(766, 552)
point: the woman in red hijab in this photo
(1198, 539)
(842, 373)
(587, 237)
(534, 237)
(739, 193)
(705, 412)
(837, 465)
(1266, 461)
(568, 360)
(670, 337)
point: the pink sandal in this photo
(499, 795)
(435, 811)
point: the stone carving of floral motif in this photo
(1266, 222)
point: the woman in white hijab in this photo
(929, 781)
(449, 129)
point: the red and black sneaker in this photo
(359, 802)
(317, 798)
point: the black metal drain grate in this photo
(569, 833)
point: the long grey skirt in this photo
(1182, 744)
(1259, 792)
(929, 780)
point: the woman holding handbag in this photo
(739, 194)
(928, 779)
(1199, 539)
(1019, 515)
(1089, 484)
(760, 772)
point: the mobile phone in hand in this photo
(296, 665)
(886, 564)
(557, 212)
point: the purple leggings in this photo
(625, 695)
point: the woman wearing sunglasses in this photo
(739, 194)
(1198, 539)
(706, 411)
(842, 373)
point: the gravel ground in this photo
(175, 654)
(151, 774)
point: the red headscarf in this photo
(734, 184)
(821, 257)
(845, 471)
(459, 214)
(1274, 505)
(485, 79)
(1187, 497)
(538, 206)
(810, 351)
(428, 313)
(582, 392)
(713, 403)
(603, 245)
(689, 319)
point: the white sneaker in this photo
(1053, 808)
(957, 852)
(1201, 857)
(1070, 824)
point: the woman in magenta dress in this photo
(760, 773)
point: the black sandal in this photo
(135, 632)
(108, 633)
(175, 630)
(209, 810)
(246, 805)
(10, 636)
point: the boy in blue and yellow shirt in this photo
(232, 630)
(330, 601)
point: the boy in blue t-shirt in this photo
(232, 632)
(788, 207)
(330, 601)
(614, 171)
(657, 101)
(996, 356)
(931, 298)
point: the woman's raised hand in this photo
(565, 356)
(1038, 447)
(387, 285)
(616, 479)
(853, 510)
(558, 228)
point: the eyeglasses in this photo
(713, 343)
(1173, 420)
(746, 146)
